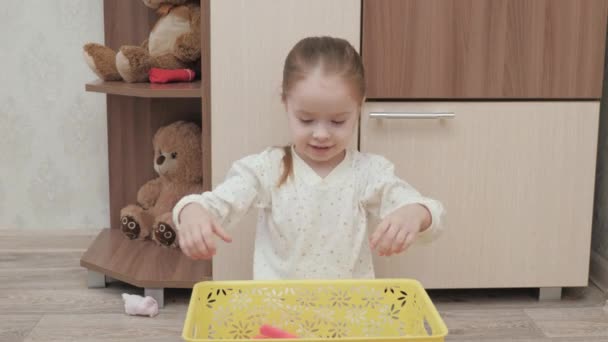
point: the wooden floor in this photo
(44, 297)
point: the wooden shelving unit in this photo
(147, 90)
(135, 112)
(142, 263)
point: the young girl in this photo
(316, 196)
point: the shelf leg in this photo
(549, 294)
(95, 279)
(158, 294)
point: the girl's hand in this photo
(399, 229)
(197, 232)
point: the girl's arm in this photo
(243, 187)
(389, 197)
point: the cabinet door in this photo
(529, 49)
(516, 179)
(249, 42)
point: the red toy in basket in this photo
(269, 332)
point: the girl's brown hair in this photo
(335, 56)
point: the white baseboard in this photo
(598, 272)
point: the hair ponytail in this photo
(287, 165)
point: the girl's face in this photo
(322, 113)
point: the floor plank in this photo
(485, 324)
(31, 299)
(571, 322)
(80, 300)
(108, 327)
(14, 328)
(43, 240)
(60, 278)
(12, 260)
(56, 301)
(514, 298)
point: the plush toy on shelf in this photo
(178, 163)
(173, 43)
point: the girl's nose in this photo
(320, 132)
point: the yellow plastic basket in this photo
(343, 310)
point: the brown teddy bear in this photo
(178, 162)
(173, 43)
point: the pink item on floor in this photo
(138, 305)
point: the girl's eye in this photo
(306, 121)
(338, 122)
(174, 155)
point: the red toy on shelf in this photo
(175, 75)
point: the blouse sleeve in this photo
(243, 188)
(385, 192)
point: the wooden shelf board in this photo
(173, 90)
(143, 263)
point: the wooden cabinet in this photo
(516, 179)
(482, 49)
(247, 55)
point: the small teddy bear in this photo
(178, 163)
(173, 43)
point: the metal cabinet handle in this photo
(412, 115)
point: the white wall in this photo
(53, 143)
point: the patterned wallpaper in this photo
(53, 141)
